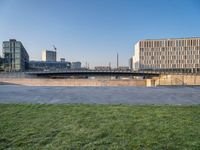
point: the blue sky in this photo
(94, 31)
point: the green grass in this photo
(99, 127)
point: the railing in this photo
(92, 71)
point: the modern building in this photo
(1, 63)
(48, 65)
(15, 56)
(180, 54)
(131, 63)
(76, 65)
(48, 55)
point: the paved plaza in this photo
(100, 95)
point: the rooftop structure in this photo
(62, 59)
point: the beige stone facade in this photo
(177, 54)
(71, 82)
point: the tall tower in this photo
(117, 60)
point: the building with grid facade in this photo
(15, 56)
(48, 55)
(167, 54)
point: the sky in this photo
(94, 31)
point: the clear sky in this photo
(94, 31)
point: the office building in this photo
(131, 63)
(48, 55)
(15, 56)
(1, 63)
(167, 54)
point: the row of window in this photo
(169, 66)
(170, 57)
(170, 43)
(163, 49)
(12, 44)
(149, 62)
(168, 53)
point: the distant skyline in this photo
(94, 31)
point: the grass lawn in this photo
(34, 126)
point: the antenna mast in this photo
(117, 60)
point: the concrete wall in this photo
(163, 80)
(177, 80)
(71, 82)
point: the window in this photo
(17, 55)
(17, 50)
(17, 45)
(5, 45)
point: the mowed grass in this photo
(36, 126)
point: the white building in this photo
(165, 54)
(48, 55)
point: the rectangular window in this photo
(6, 45)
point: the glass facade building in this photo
(76, 65)
(1, 63)
(15, 56)
(48, 65)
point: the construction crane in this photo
(54, 47)
(55, 52)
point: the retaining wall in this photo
(71, 82)
(177, 80)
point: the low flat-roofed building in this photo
(45, 65)
(122, 68)
(76, 65)
(102, 68)
(167, 54)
